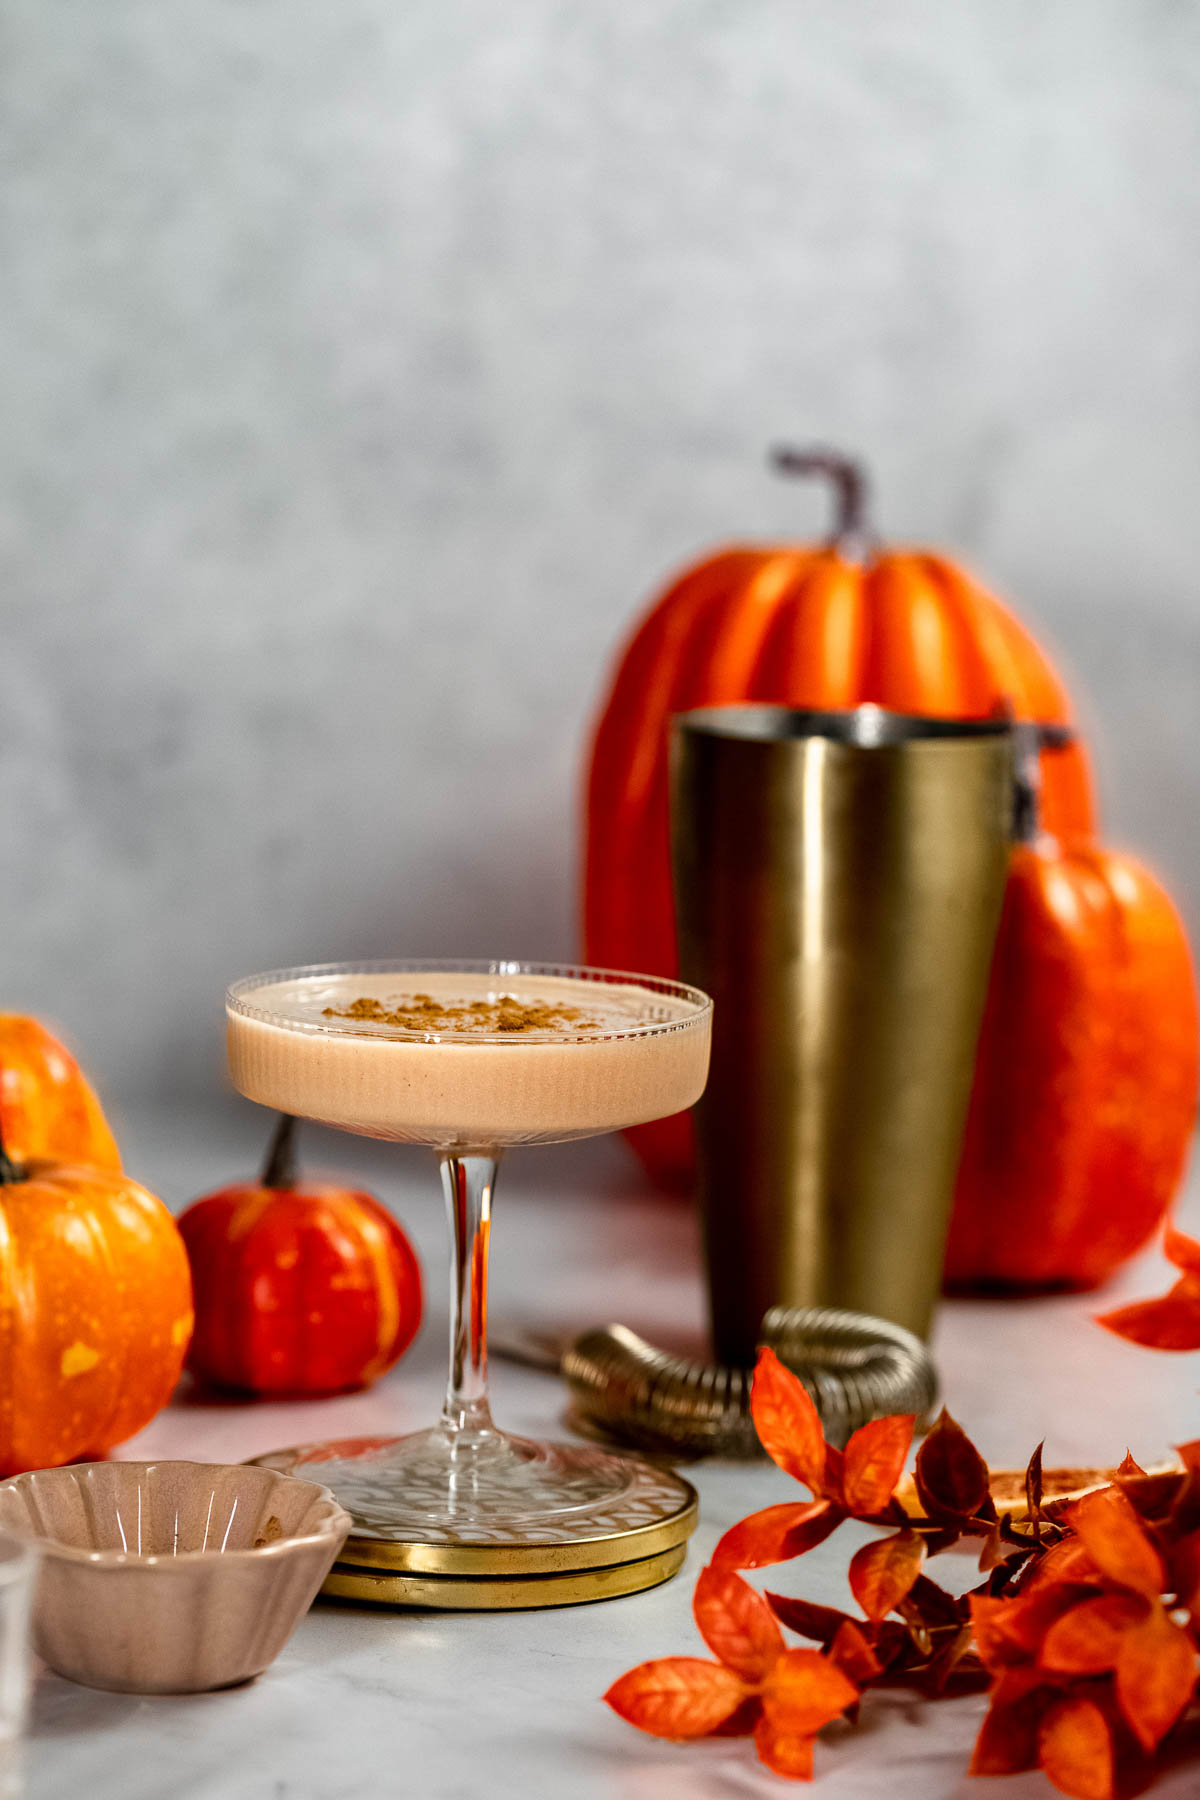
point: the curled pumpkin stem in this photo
(852, 535)
(10, 1171)
(279, 1169)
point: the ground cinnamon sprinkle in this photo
(421, 1012)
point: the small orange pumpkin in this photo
(47, 1107)
(1085, 1082)
(830, 626)
(301, 1287)
(95, 1311)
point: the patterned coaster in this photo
(609, 1509)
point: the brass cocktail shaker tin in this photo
(838, 883)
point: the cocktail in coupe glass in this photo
(469, 1059)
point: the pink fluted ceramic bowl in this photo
(171, 1577)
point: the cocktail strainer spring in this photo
(854, 1367)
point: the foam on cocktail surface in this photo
(628, 1054)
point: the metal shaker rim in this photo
(867, 727)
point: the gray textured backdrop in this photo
(364, 366)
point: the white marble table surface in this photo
(364, 1705)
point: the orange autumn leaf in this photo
(882, 1573)
(956, 1661)
(1008, 1738)
(999, 1643)
(1009, 1631)
(1185, 1573)
(834, 1466)
(1183, 1251)
(677, 1696)
(1075, 1747)
(1114, 1537)
(805, 1691)
(786, 1752)
(741, 1721)
(1067, 1562)
(736, 1623)
(1183, 1524)
(1156, 1676)
(874, 1462)
(1171, 1322)
(1087, 1639)
(787, 1422)
(776, 1534)
(1151, 1496)
(951, 1476)
(821, 1623)
(853, 1655)
(934, 1605)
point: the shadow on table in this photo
(60, 1708)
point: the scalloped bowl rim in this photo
(329, 1527)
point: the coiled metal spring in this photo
(854, 1368)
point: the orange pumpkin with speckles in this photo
(95, 1311)
(301, 1287)
(1085, 1084)
(46, 1106)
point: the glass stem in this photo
(467, 1182)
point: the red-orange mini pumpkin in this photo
(1085, 1083)
(301, 1287)
(832, 626)
(95, 1311)
(46, 1106)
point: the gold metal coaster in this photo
(510, 1594)
(668, 1510)
(635, 1513)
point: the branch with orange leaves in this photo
(1084, 1628)
(1172, 1322)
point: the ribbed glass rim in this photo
(238, 1003)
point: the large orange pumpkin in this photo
(95, 1311)
(301, 1287)
(1085, 1083)
(46, 1106)
(834, 625)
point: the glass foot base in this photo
(486, 1503)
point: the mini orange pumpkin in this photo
(46, 1106)
(829, 626)
(301, 1287)
(1085, 1082)
(95, 1311)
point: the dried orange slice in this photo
(1059, 1488)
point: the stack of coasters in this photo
(632, 1542)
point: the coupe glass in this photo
(607, 1051)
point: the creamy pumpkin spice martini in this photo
(469, 1059)
(472, 1058)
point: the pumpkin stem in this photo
(10, 1172)
(852, 536)
(279, 1170)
